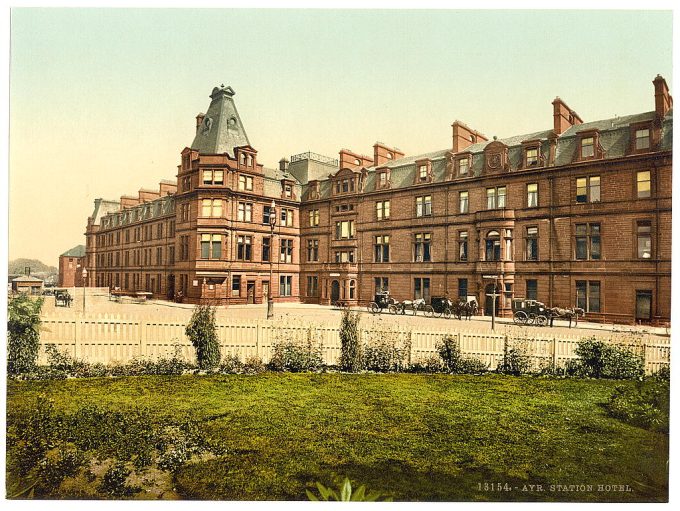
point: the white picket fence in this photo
(109, 338)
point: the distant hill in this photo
(17, 267)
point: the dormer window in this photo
(642, 139)
(288, 191)
(463, 166)
(587, 147)
(382, 179)
(423, 171)
(532, 157)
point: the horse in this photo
(559, 313)
(414, 305)
(467, 309)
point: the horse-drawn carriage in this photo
(62, 298)
(529, 312)
(382, 301)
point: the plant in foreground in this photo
(345, 494)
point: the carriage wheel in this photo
(447, 313)
(393, 309)
(429, 311)
(438, 314)
(520, 318)
(373, 308)
(541, 320)
(532, 319)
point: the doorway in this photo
(335, 291)
(265, 290)
(250, 288)
(643, 305)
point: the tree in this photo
(23, 333)
(350, 355)
(202, 331)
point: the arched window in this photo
(243, 158)
(493, 246)
(352, 287)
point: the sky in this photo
(102, 101)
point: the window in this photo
(352, 289)
(463, 246)
(183, 249)
(643, 305)
(532, 156)
(382, 179)
(313, 286)
(235, 285)
(313, 217)
(642, 139)
(159, 255)
(211, 246)
(588, 295)
(171, 255)
(493, 246)
(588, 241)
(463, 202)
(463, 166)
(286, 255)
(266, 248)
(463, 289)
(159, 231)
(244, 248)
(183, 215)
(211, 208)
(266, 214)
(644, 184)
(245, 212)
(424, 205)
(644, 239)
(422, 247)
(312, 250)
(382, 209)
(532, 289)
(587, 147)
(344, 185)
(532, 244)
(382, 284)
(421, 288)
(245, 182)
(213, 177)
(344, 230)
(288, 190)
(532, 195)
(588, 189)
(422, 172)
(382, 248)
(287, 217)
(286, 285)
(344, 256)
(495, 198)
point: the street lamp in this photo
(270, 298)
(84, 281)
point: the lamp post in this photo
(270, 298)
(84, 277)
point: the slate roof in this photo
(25, 278)
(614, 139)
(77, 251)
(221, 129)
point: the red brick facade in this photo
(579, 214)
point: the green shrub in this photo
(516, 360)
(346, 494)
(114, 482)
(646, 405)
(231, 364)
(296, 355)
(429, 364)
(202, 331)
(663, 374)
(253, 365)
(350, 354)
(453, 359)
(23, 333)
(599, 359)
(56, 467)
(386, 350)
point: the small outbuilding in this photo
(27, 284)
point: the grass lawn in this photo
(409, 436)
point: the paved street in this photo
(306, 313)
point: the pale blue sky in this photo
(103, 101)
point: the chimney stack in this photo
(662, 99)
(383, 154)
(563, 117)
(464, 136)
